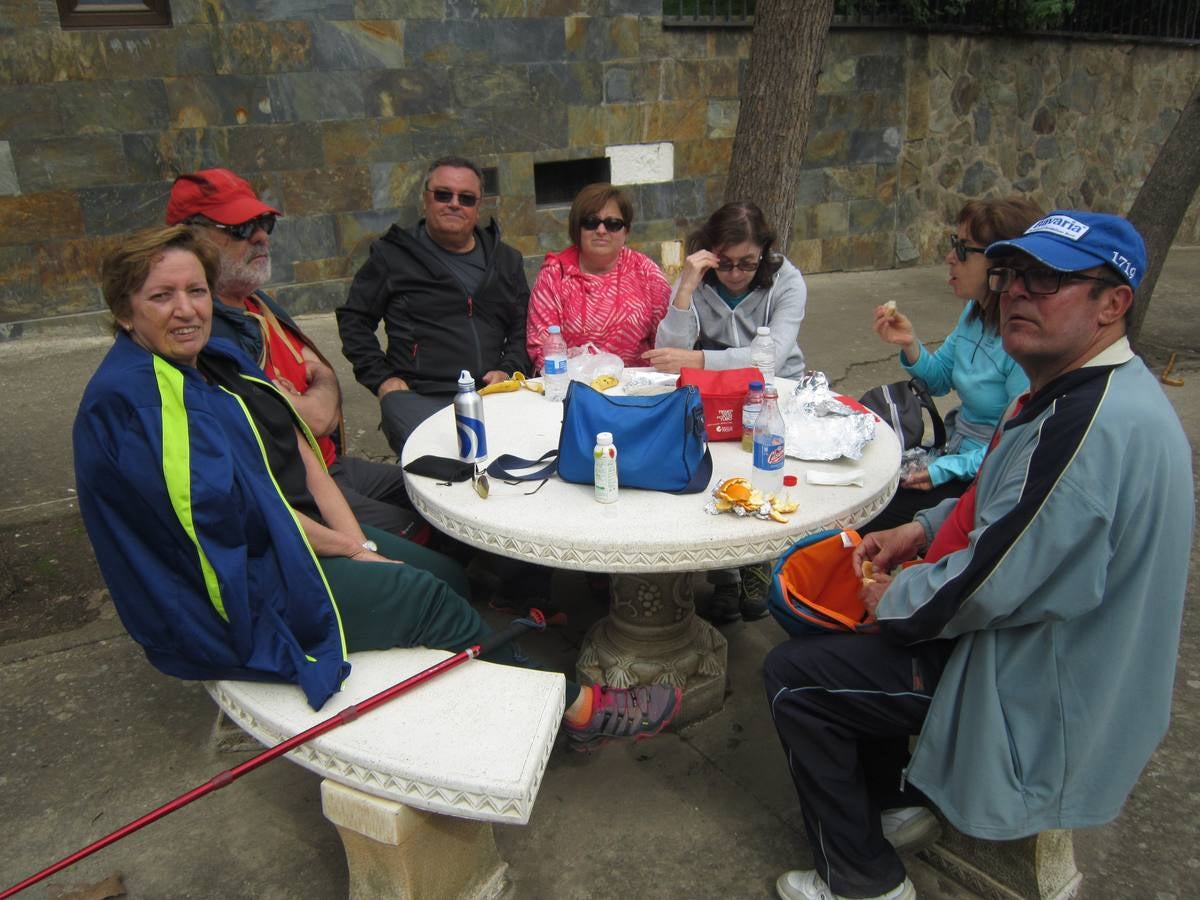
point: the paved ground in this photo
(93, 737)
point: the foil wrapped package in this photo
(636, 381)
(822, 427)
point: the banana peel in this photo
(515, 383)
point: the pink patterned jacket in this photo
(618, 311)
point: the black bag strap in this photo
(503, 467)
(921, 391)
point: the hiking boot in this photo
(555, 617)
(639, 712)
(756, 581)
(722, 605)
(808, 885)
(910, 828)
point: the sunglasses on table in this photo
(244, 230)
(961, 249)
(612, 223)
(728, 265)
(1038, 281)
(443, 196)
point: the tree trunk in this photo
(786, 51)
(1163, 201)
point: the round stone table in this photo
(650, 542)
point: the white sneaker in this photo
(808, 885)
(910, 827)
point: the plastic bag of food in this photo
(589, 363)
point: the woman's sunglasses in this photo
(444, 196)
(244, 231)
(728, 265)
(591, 223)
(961, 250)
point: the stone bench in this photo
(415, 785)
(1038, 867)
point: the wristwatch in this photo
(370, 545)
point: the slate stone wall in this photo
(332, 109)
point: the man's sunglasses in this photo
(728, 265)
(961, 249)
(443, 196)
(1038, 282)
(245, 230)
(612, 223)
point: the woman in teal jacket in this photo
(971, 361)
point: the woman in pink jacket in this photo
(598, 289)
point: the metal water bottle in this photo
(468, 419)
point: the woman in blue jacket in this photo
(227, 547)
(971, 361)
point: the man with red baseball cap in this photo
(240, 225)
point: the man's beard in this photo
(243, 278)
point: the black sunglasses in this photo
(961, 249)
(728, 265)
(443, 196)
(1038, 282)
(612, 223)
(245, 230)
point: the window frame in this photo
(117, 14)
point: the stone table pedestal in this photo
(652, 635)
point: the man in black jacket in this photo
(240, 224)
(451, 295)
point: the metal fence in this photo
(1159, 20)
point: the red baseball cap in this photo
(217, 194)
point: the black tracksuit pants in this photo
(844, 707)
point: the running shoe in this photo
(638, 712)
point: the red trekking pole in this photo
(536, 621)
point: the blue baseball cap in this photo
(1069, 240)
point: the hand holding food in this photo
(893, 326)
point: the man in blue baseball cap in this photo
(1033, 648)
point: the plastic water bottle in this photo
(468, 420)
(750, 408)
(606, 468)
(767, 475)
(762, 353)
(554, 364)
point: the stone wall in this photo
(332, 110)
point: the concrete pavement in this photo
(93, 737)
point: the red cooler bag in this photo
(722, 392)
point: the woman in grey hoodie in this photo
(730, 285)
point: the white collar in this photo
(1114, 354)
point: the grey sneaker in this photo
(910, 828)
(808, 885)
(756, 581)
(638, 712)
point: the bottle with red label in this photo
(767, 475)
